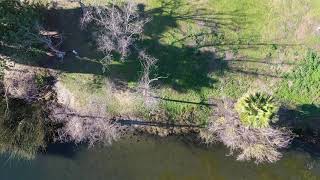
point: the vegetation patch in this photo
(16, 19)
(90, 90)
(17, 23)
(186, 108)
(302, 85)
(22, 128)
(256, 110)
(261, 144)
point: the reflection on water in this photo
(153, 158)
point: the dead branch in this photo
(147, 62)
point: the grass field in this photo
(210, 49)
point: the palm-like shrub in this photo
(256, 110)
(259, 144)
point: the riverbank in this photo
(205, 51)
(306, 140)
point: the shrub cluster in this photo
(256, 110)
(248, 132)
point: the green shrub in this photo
(256, 110)
(22, 129)
(16, 19)
(302, 86)
(43, 79)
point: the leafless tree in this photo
(261, 144)
(148, 63)
(120, 25)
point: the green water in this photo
(154, 159)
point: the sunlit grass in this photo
(266, 37)
(302, 85)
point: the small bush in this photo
(259, 144)
(256, 110)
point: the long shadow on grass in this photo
(182, 101)
(185, 63)
(185, 67)
(168, 14)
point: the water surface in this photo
(154, 159)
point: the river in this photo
(152, 158)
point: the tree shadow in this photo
(304, 120)
(168, 14)
(186, 102)
(185, 68)
(186, 62)
(65, 22)
(305, 116)
(130, 122)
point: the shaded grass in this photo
(243, 31)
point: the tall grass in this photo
(22, 129)
(302, 85)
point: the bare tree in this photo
(120, 25)
(147, 62)
(261, 144)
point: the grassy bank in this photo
(214, 49)
(206, 50)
